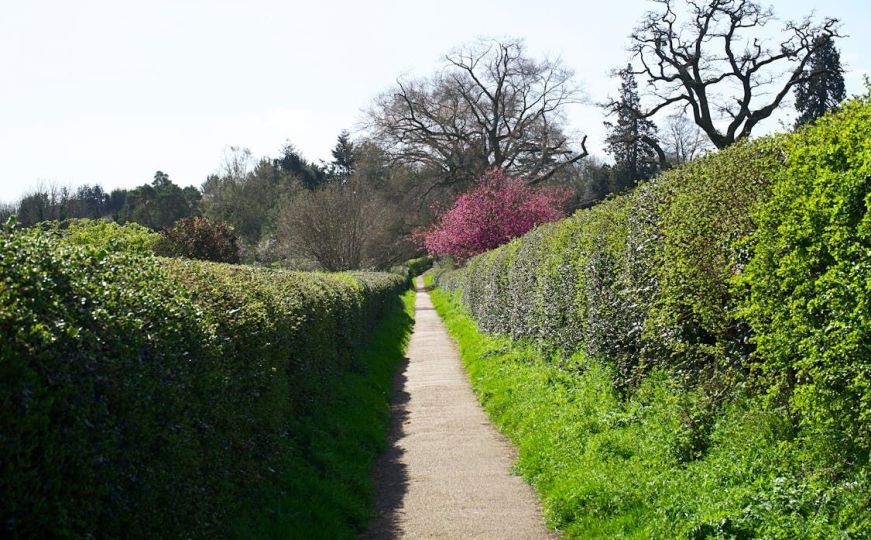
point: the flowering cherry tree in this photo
(498, 208)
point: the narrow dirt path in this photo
(447, 473)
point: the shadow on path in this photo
(391, 474)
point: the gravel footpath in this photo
(447, 472)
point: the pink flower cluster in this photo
(498, 208)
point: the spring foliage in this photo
(498, 208)
(154, 397)
(610, 466)
(743, 273)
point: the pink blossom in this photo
(497, 209)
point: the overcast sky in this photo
(108, 92)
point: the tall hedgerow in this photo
(754, 257)
(808, 280)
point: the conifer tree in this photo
(632, 139)
(344, 156)
(823, 89)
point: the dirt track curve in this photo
(447, 472)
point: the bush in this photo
(413, 267)
(199, 238)
(419, 265)
(490, 214)
(149, 397)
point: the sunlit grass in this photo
(607, 467)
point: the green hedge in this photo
(753, 257)
(149, 397)
(413, 267)
(807, 286)
(100, 233)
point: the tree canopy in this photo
(490, 105)
(710, 60)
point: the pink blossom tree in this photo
(497, 209)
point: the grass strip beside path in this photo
(327, 491)
(607, 466)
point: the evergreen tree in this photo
(291, 162)
(823, 87)
(630, 137)
(160, 204)
(344, 156)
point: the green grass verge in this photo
(327, 492)
(607, 467)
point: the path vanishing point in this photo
(447, 471)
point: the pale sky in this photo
(99, 91)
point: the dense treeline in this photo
(354, 212)
(740, 274)
(149, 397)
(489, 105)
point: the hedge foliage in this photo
(150, 397)
(609, 466)
(100, 233)
(413, 267)
(751, 261)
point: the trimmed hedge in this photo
(103, 234)
(754, 257)
(150, 397)
(807, 286)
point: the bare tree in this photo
(7, 210)
(490, 106)
(341, 226)
(236, 163)
(709, 67)
(683, 140)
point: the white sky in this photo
(100, 91)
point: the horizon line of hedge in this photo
(145, 396)
(747, 268)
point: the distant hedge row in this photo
(149, 397)
(413, 267)
(754, 260)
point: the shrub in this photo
(418, 265)
(199, 238)
(413, 267)
(149, 397)
(493, 212)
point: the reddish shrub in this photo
(199, 238)
(498, 208)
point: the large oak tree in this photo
(710, 58)
(491, 105)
